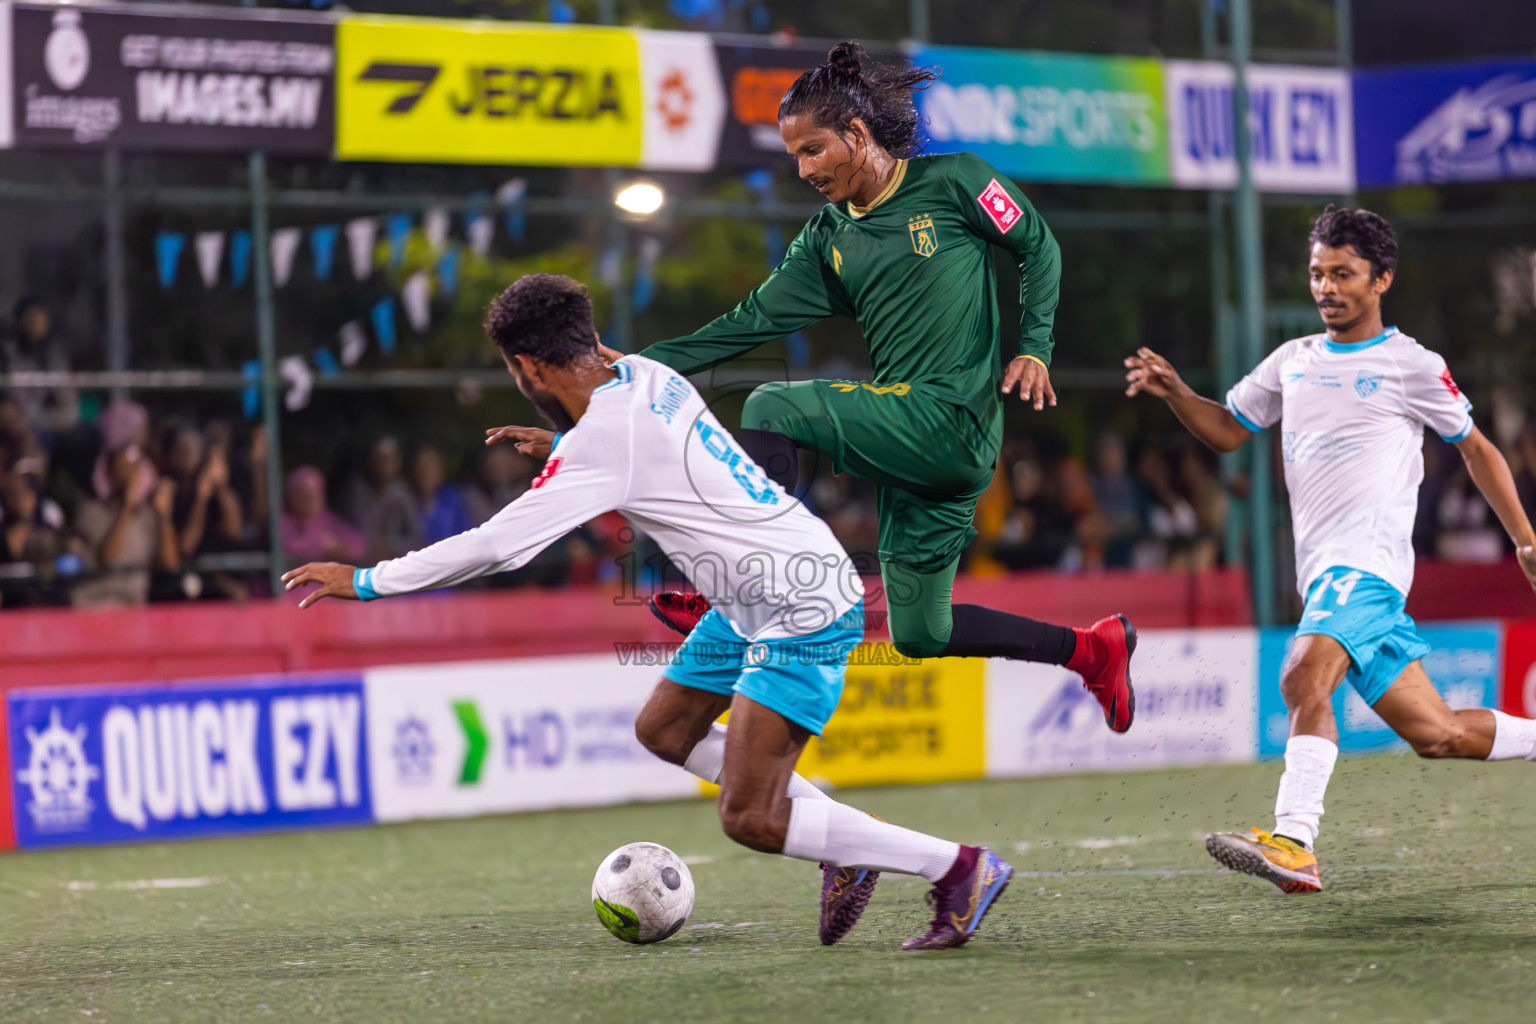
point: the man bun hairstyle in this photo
(1367, 233)
(849, 85)
(547, 317)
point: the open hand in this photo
(333, 578)
(1033, 380)
(1150, 372)
(531, 441)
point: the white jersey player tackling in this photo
(1352, 405)
(786, 606)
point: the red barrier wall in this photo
(1458, 590)
(1519, 696)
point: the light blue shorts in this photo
(1365, 614)
(799, 677)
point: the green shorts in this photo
(929, 458)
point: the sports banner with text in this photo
(86, 76)
(1463, 663)
(1195, 704)
(490, 737)
(111, 764)
(431, 91)
(1433, 125)
(1047, 116)
(1300, 122)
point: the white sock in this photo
(1512, 737)
(1309, 762)
(707, 760)
(834, 833)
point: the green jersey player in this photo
(903, 249)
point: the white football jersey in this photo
(1352, 419)
(650, 448)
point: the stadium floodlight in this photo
(641, 198)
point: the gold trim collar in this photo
(890, 190)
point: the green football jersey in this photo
(914, 271)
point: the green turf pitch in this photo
(1116, 914)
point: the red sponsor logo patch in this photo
(1005, 213)
(551, 467)
(1450, 384)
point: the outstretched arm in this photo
(1486, 465)
(1210, 421)
(799, 292)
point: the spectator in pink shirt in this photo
(311, 532)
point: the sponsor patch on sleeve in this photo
(551, 467)
(1449, 382)
(1005, 213)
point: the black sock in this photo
(775, 453)
(988, 633)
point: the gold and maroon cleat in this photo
(1279, 859)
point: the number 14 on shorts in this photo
(1331, 590)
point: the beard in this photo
(554, 412)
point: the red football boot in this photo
(1103, 659)
(680, 609)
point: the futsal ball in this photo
(643, 892)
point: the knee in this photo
(756, 828)
(664, 736)
(925, 645)
(764, 407)
(1302, 691)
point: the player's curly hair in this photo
(1367, 233)
(545, 316)
(850, 86)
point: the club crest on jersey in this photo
(1005, 213)
(925, 242)
(1366, 383)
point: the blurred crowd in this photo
(106, 503)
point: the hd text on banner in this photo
(1049, 116)
(102, 765)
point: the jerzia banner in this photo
(91, 77)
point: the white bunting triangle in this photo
(301, 381)
(480, 230)
(434, 224)
(354, 342)
(360, 236)
(415, 296)
(285, 245)
(210, 253)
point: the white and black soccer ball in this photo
(643, 892)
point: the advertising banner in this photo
(1195, 704)
(480, 92)
(1463, 663)
(1463, 122)
(1519, 689)
(89, 77)
(683, 101)
(919, 722)
(1049, 117)
(1300, 123)
(489, 737)
(101, 765)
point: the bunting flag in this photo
(239, 257)
(322, 242)
(448, 272)
(285, 246)
(301, 381)
(645, 278)
(326, 363)
(360, 236)
(250, 395)
(510, 196)
(354, 342)
(209, 246)
(610, 268)
(168, 246)
(383, 317)
(416, 295)
(434, 224)
(479, 229)
(799, 346)
(397, 228)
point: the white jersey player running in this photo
(787, 607)
(1352, 405)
